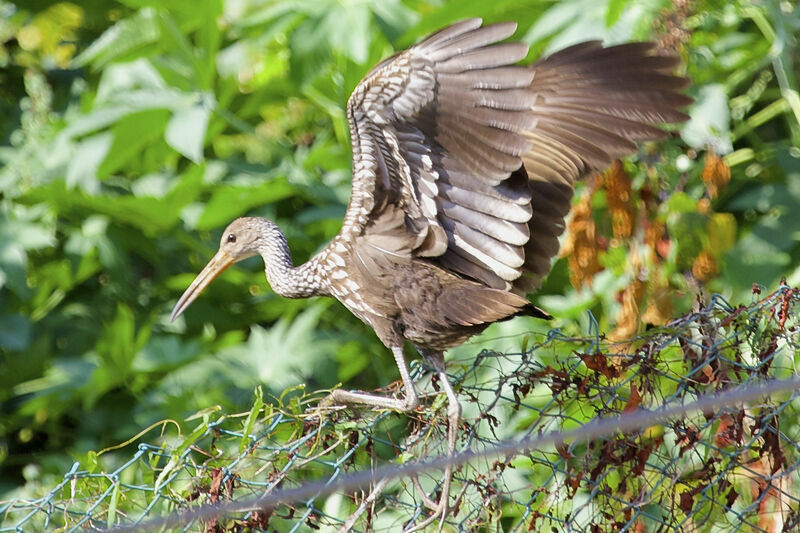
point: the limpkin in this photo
(463, 171)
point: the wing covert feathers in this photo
(482, 155)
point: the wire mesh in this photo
(735, 469)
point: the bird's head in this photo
(243, 238)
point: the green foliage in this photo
(134, 131)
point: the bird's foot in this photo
(409, 402)
(342, 398)
(325, 407)
(339, 399)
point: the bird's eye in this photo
(231, 237)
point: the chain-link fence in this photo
(732, 469)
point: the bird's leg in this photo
(442, 508)
(408, 403)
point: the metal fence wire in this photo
(734, 469)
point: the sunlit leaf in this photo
(709, 123)
(555, 19)
(131, 134)
(281, 355)
(396, 15)
(186, 128)
(121, 38)
(722, 233)
(82, 169)
(615, 10)
(354, 42)
(29, 234)
(13, 261)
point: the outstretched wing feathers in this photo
(482, 155)
(515, 233)
(613, 128)
(449, 33)
(481, 58)
(484, 203)
(453, 111)
(593, 104)
(497, 118)
(441, 46)
(496, 78)
(482, 158)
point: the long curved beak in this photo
(214, 268)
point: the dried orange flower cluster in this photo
(672, 26)
(580, 248)
(704, 267)
(617, 184)
(648, 298)
(628, 318)
(716, 174)
(659, 309)
(655, 237)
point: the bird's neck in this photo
(287, 280)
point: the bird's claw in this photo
(325, 406)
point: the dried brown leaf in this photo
(633, 400)
(599, 363)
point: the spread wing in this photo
(437, 130)
(592, 103)
(441, 131)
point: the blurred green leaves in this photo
(124, 37)
(614, 21)
(136, 130)
(15, 332)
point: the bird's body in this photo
(463, 171)
(376, 277)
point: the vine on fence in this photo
(723, 470)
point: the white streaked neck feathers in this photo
(285, 279)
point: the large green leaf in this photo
(281, 356)
(147, 213)
(89, 154)
(132, 134)
(124, 37)
(186, 129)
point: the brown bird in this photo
(463, 171)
